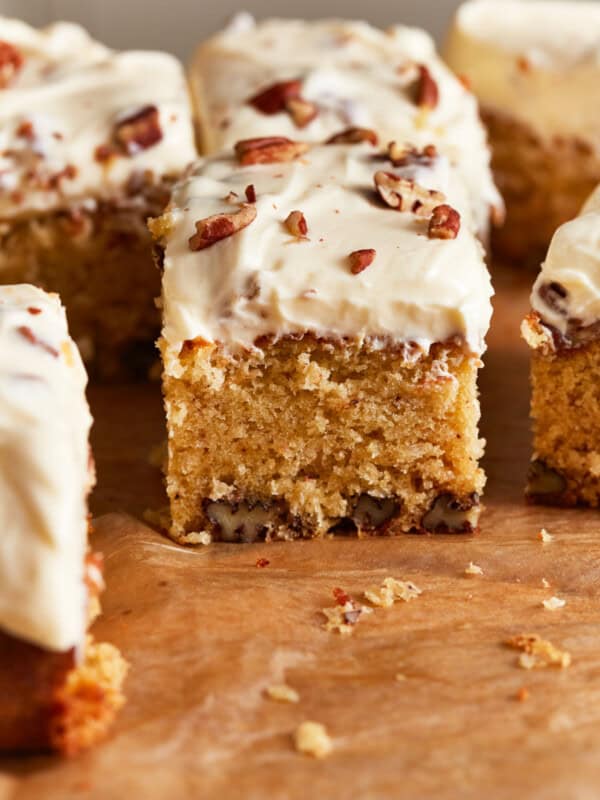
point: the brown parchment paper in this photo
(206, 631)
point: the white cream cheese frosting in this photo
(60, 109)
(356, 75)
(264, 281)
(45, 473)
(567, 289)
(536, 60)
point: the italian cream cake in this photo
(90, 143)
(59, 689)
(324, 314)
(534, 66)
(332, 78)
(563, 330)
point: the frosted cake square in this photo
(324, 318)
(313, 80)
(563, 330)
(59, 690)
(90, 143)
(534, 66)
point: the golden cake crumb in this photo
(401, 677)
(544, 536)
(391, 590)
(473, 569)
(545, 583)
(343, 618)
(553, 603)
(312, 739)
(282, 693)
(538, 652)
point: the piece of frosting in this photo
(567, 290)
(45, 474)
(263, 281)
(356, 74)
(59, 111)
(536, 60)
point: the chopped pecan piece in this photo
(341, 597)
(274, 98)
(404, 194)
(301, 111)
(426, 92)
(138, 131)
(11, 62)
(354, 136)
(296, 224)
(406, 155)
(444, 223)
(361, 259)
(268, 150)
(555, 297)
(104, 153)
(220, 226)
(374, 513)
(26, 130)
(545, 484)
(250, 193)
(244, 521)
(450, 514)
(28, 334)
(285, 96)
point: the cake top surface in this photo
(44, 472)
(552, 33)
(567, 290)
(77, 119)
(352, 74)
(278, 275)
(536, 62)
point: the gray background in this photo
(177, 25)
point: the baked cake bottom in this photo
(306, 437)
(544, 183)
(565, 384)
(98, 257)
(48, 701)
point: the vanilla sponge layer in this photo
(308, 436)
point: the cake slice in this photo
(534, 66)
(328, 78)
(90, 143)
(59, 689)
(563, 331)
(324, 317)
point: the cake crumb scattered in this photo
(401, 677)
(554, 603)
(537, 652)
(343, 618)
(473, 569)
(523, 694)
(262, 562)
(545, 583)
(312, 739)
(544, 536)
(282, 693)
(197, 537)
(391, 590)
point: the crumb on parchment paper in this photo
(554, 603)
(312, 739)
(282, 693)
(537, 653)
(544, 536)
(473, 569)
